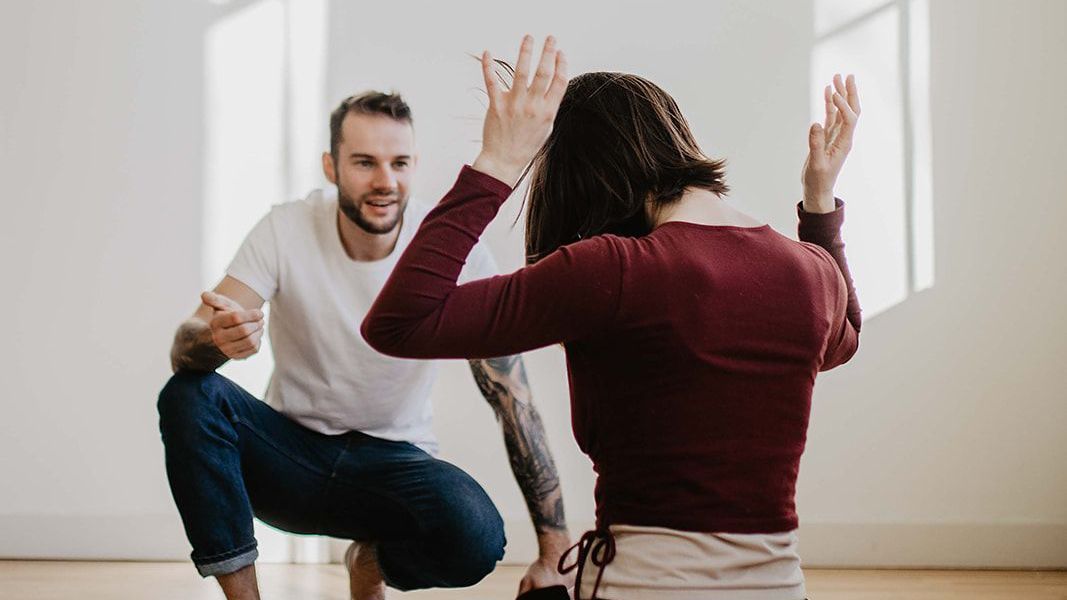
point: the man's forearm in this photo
(193, 348)
(504, 385)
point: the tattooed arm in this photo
(194, 349)
(504, 385)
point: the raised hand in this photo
(235, 331)
(829, 144)
(520, 118)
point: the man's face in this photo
(374, 167)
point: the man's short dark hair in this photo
(368, 103)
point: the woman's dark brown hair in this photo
(618, 142)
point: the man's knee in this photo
(473, 536)
(480, 557)
(186, 397)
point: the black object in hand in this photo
(555, 592)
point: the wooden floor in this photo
(29, 580)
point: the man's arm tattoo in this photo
(505, 387)
(194, 350)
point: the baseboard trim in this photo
(822, 545)
(934, 545)
(93, 537)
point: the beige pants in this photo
(656, 563)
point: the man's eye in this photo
(365, 163)
(400, 164)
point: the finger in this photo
(231, 318)
(492, 88)
(255, 338)
(218, 301)
(522, 66)
(248, 346)
(839, 84)
(242, 349)
(816, 140)
(828, 123)
(853, 95)
(843, 138)
(559, 81)
(236, 333)
(545, 68)
(835, 129)
(844, 110)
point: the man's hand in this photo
(829, 144)
(542, 573)
(235, 331)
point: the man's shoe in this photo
(364, 576)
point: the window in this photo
(264, 122)
(887, 183)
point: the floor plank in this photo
(56, 580)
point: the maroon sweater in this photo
(691, 351)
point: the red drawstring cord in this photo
(597, 545)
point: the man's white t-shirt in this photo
(325, 375)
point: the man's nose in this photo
(384, 179)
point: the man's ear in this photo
(328, 168)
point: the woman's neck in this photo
(705, 208)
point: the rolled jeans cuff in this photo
(245, 557)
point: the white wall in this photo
(100, 250)
(948, 428)
(941, 443)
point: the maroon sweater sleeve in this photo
(824, 230)
(422, 313)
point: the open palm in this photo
(829, 144)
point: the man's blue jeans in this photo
(230, 456)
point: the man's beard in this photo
(351, 210)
